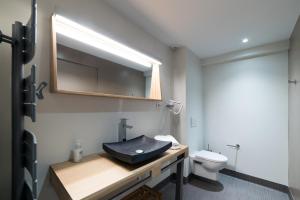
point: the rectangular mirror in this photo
(85, 62)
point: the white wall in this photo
(63, 118)
(179, 94)
(194, 102)
(188, 89)
(246, 103)
(294, 113)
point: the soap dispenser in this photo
(77, 152)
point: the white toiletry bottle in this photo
(77, 152)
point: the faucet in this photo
(122, 129)
(208, 149)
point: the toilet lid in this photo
(211, 156)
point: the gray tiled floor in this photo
(230, 188)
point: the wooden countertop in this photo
(98, 175)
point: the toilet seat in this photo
(210, 156)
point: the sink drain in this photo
(139, 151)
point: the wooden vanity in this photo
(99, 176)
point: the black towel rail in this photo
(24, 93)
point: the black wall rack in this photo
(24, 95)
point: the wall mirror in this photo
(85, 62)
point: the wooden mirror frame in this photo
(155, 89)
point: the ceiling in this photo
(213, 27)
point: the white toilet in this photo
(207, 164)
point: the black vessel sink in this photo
(136, 150)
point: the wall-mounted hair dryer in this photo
(174, 106)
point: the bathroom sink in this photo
(136, 150)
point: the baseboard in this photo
(246, 177)
(291, 195)
(259, 181)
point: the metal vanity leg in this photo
(179, 181)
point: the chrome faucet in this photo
(122, 130)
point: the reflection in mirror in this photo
(86, 62)
(80, 71)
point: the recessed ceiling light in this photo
(245, 40)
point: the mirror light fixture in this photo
(88, 36)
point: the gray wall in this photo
(294, 113)
(62, 119)
(246, 103)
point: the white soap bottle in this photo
(77, 152)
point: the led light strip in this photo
(85, 35)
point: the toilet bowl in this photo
(207, 164)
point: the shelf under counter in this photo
(99, 176)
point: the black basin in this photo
(136, 150)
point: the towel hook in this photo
(39, 90)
